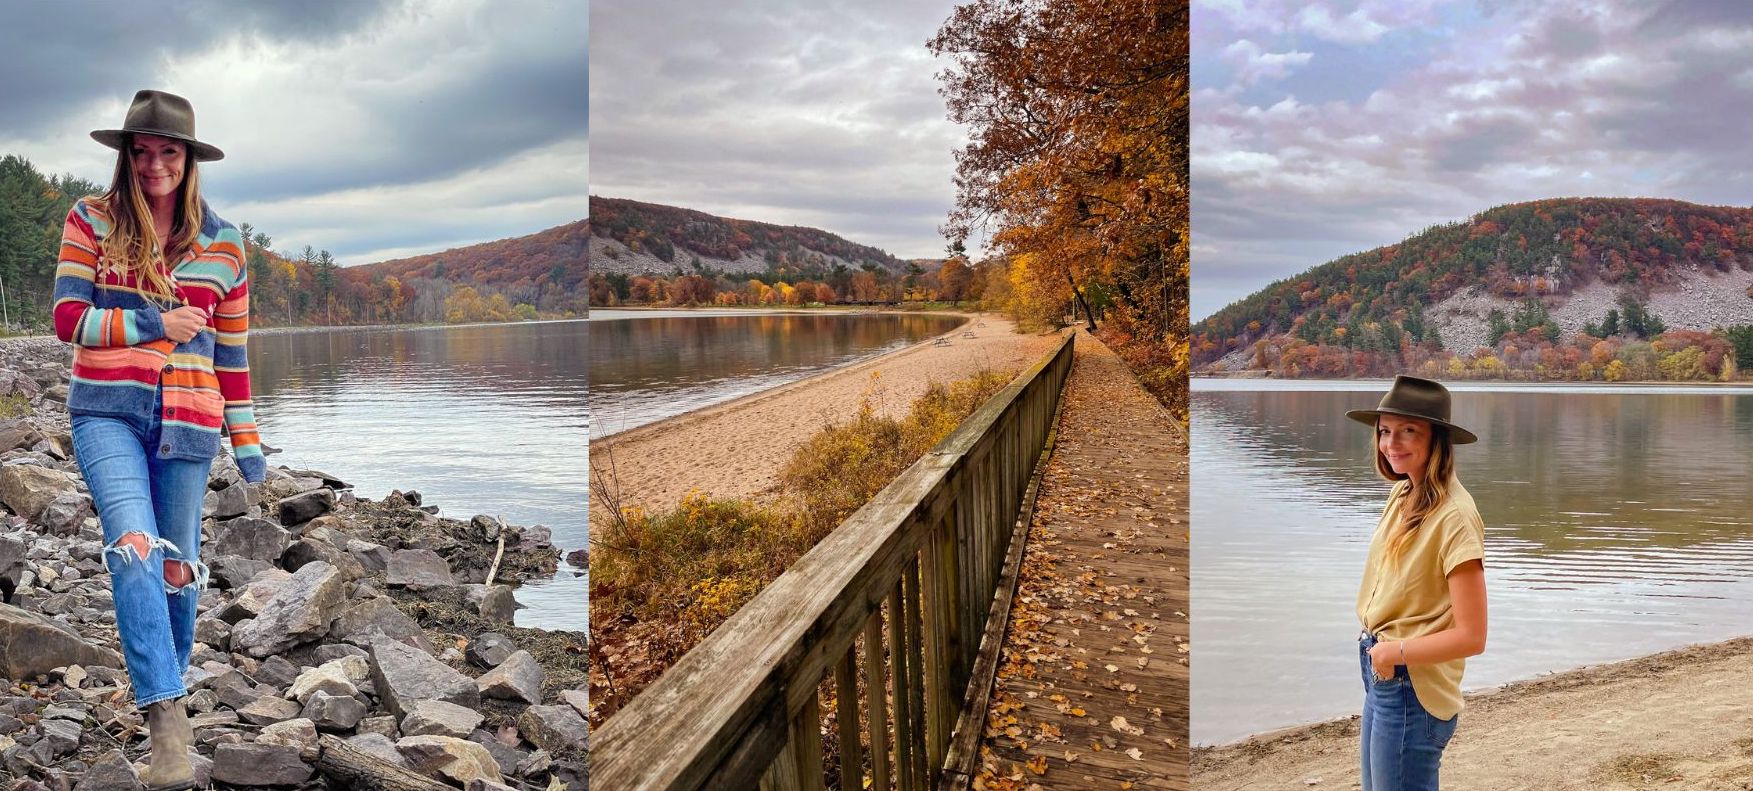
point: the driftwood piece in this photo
(359, 770)
(500, 553)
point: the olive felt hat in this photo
(162, 114)
(1420, 398)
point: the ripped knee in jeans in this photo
(179, 575)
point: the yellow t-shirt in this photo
(1410, 598)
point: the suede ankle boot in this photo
(169, 770)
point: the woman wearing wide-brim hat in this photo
(1422, 600)
(151, 291)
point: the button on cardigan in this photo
(120, 353)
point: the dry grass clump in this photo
(705, 557)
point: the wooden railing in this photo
(895, 604)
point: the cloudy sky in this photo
(371, 129)
(800, 112)
(1321, 129)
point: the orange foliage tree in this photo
(1077, 116)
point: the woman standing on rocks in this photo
(151, 292)
(1422, 600)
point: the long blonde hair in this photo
(132, 245)
(1425, 495)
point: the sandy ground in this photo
(1681, 719)
(736, 449)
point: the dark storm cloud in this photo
(74, 52)
(822, 114)
(366, 128)
(1488, 104)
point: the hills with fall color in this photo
(634, 238)
(1559, 267)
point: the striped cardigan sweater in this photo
(120, 354)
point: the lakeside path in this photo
(737, 448)
(1678, 719)
(1092, 692)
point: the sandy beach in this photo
(736, 449)
(1678, 719)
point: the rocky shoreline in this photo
(342, 642)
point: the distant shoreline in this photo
(309, 328)
(763, 310)
(1262, 376)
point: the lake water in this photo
(1619, 522)
(647, 365)
(482, 419)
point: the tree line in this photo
(953, 280)
(1519, 351)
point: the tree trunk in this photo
(362, 771)
(1089, 315)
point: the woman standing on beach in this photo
(1422, 600)
(151, 292)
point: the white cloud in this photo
(1253, 64)
(1354, 28)
(1536, 101)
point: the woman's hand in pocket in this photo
(1383, 659)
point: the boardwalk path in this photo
(1092, 693)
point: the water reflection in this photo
(1618, 524)
(649, 366)
(480, 419)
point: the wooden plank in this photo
(876, 708)
(846, 718)
(781, 775)
(898, 657)
(806, 744)
(931, 605)
(910, 619)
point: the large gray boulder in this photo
(438, 718)
(364, 621)
(418, 569)
(254, 595)
(454, 759)
(301, 508)
(31, 645)
(231, 501)
(249, 537)
(518, 678)
(112, 772)
(255, 765)
(66, 514)
(18, 434)
(27, 489)
(402, 674)
(554, 728)
(299, 612)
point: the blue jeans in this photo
(1402, 743)
(160, 499)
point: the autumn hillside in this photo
(634, 238)
(1515, 281)
(540, 275)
